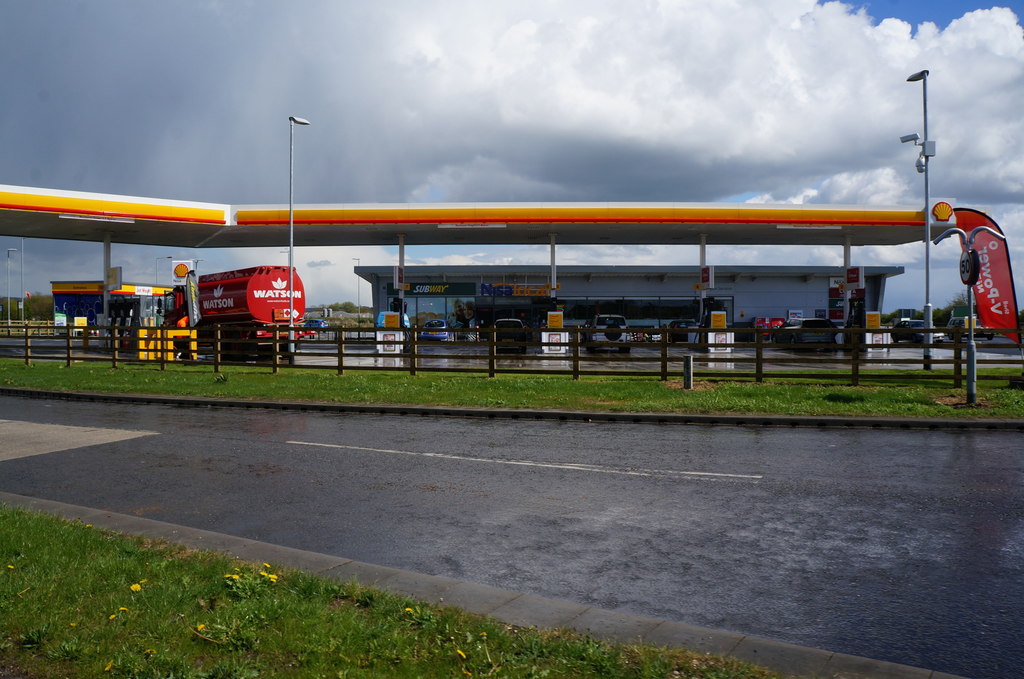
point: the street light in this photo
(9, 251)
(292, 122)
(359, 306)
(927, 151)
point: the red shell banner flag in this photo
(994, 296)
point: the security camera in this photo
(915, 137)
(921, 164)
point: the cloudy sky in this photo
(511, 100)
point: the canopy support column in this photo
(703, 263)
(401, 289)
(106, 268)
(554, 268)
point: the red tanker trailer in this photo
(245, 299)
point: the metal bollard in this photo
(687, 372)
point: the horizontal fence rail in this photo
(841, 355)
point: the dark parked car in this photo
(511, 335)
(677, 331)
(907, 331)
(808, 331)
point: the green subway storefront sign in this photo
(436, 290)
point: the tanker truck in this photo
(249, 305)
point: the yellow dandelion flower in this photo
(266, 565)
(143, 580)
(136, 587)
(109, 665)
(122, 608)
(112, 616)
(200, 627)
(88, 525)
(408, 610)
(10, 566)
(463, 655)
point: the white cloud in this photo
(455, 100)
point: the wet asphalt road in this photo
(901, 546)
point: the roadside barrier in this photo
(850, 356)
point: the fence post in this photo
(492, 351)
(28, 347)
(68, 332)
(688, 372)
(576, 354)
(412, 351)
(339, 337)
(115, 345)
(958, 365)
(855, 339)
(276, 361)
(664, 354)
(216, 349)
(758, 355)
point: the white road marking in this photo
(548, 465)
(24, 439)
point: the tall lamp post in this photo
(359, 305)
(927, 151)
(9, 251)
(292, 122)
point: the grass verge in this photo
(895, 396)
(76, 601)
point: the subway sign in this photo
(436, 290)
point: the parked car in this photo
(614, 331)
(511, 335)
(679, 325)
(435, 329)
(808, 331)
(907, 331)
(315, 323)
(767, 324)
(961, 322)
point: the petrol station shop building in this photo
(650, 296)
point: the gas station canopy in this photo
(70, 215)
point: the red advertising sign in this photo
(855, 277)
(707, 277)
(994, 295)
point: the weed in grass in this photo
(34, 638)
(68, 650)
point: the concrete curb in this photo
(785, 421)
(514, 608)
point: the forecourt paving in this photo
(507, 606)
(514, 608)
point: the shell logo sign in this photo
(942, 211)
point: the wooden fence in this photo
(739, 353)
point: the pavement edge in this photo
(514, 608)
(535, 414)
